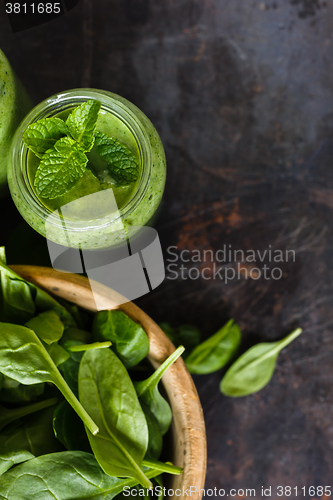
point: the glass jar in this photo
(122, 120)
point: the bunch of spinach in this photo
(73, 424)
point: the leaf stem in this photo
(141, 387)
(12, 415)
(76, 405)
(87, 347)
(161, 466)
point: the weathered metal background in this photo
(242, 95)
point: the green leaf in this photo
(17, 302)
(149, 394)
(13, 458)
(24, 358)
(81, 123)
(47, 326)
(254, 369)
(69, 429)
(107, 393)
(69, 475)
(42, 135)
(34, 437)
(155, 441)
(3, 259)
(14, 392)
(73, 333)
(216, 351)
(60, 169)
(10, 415)
(122, 163)
(58, 354)
(129, 341)
(70, 369)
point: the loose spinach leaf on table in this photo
(8, 415)
(24, 358)
(34, 436)
(69, 429)
(69, 475)
(216, 351)
(47, 326)
(107, 393)
(149, 394)
(129, 341)
(254, 369)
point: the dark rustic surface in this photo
(242, 95)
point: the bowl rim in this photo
(190, 447)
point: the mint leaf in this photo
(43, 135)
(60, 169)
(81, 123)
(122, 163)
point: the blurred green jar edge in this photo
(14, 105)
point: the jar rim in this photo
(112, 103)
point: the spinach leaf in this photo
(70, 369)
(10, 415)
(57, 353)
(107, 393)
(216, 351)
(155, 441)
(72, 333)
(17, 303)
(42, 300)
(254, 369)
(14, 392)
(9, 459)
(47, 326)
(69, 429)
(34, 437)
(149, 394)
(69, 475)
(24, 358)
(129, 341)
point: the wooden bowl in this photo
(188, 427)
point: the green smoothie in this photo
(83, 216)
(97, 177)
(14, 105)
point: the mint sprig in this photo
(121, 161)
(60, 169)
(62, 148)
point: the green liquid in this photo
(96, 178)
